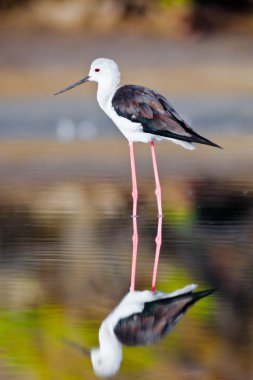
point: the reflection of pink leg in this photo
(158, 241)
(158, 193)
(135, 251)
(134, 180)
(135, 230)
(157, 182)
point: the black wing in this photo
(154, 112)
(156, 320)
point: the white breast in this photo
(132, 131)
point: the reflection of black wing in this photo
(154, 112)
(156, 320)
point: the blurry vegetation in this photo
(162, 16)
(11, 4)
(209, 15)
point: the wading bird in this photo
(141, 318)
(141, 114)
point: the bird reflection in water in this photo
(140, 319)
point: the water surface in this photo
(65, 256)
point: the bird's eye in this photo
(97, 70)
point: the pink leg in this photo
(135, 230)
(134, 180)
(158, 241)
(157, 182)
(135, 251)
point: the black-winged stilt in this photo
(141, 114)
(141, 318)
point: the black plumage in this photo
(154, 112)
(156, 320)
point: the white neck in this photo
(110, 347)
(108, 340)
(106, 90)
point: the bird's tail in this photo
(196, 296)
(190, 299)
(196, 138)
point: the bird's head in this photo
(105, 363)
(102, 70)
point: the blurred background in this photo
(65, 191)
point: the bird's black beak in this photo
(86, 79)
(77, 347)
